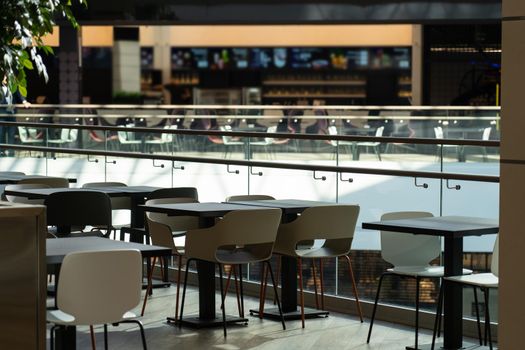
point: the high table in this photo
(452, 229)
(207, 213)
(290, 208)
(58, 248)
(6, 179)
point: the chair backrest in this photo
(175, 192)
(242, 236)
(53, 182)
(79, 208)
(486, 134)
(176, 223)
(166, 137)
(116, 202)
(98, 287)
(405, 249)
(494, 266)
(438, 131)
(379, 131)
(18, 199)
(333, 223)
(248, 197)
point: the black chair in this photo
(74, 210)
(175, 192)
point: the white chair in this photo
(128, 138)
(98, 287)
(165, 140)
(372, 144)
(266, 142)
(483, 281)
(349, 145)
(410, 254)
(438, 131)
(67, 136)
(229, 141)
(241, 237)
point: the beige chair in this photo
(53, 182)
(98, 287)
(18, 199)
(241, 237)
(120, 206)
(335, 224)
(169, 231)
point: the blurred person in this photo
(8, 99)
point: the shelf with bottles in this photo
(185, 78)
(319, 91)
(336, 79)
(404, 80)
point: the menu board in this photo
(146, 57)
(307, 57)
(181, 59)
(261, 58)
(281, 57)
(240, 58)
(200, 58)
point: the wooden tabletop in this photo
(457, 226)
(15, 178)
(58, 248)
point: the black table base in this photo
(273, 313)
(195, 321)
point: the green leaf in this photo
(22, 90)
(28, 64)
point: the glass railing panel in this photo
(377, 195)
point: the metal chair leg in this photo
(487, 318)
(92, 335)
(300, 268)
(474, 289)
(242, 292)
(240, 307)
(148, 290)
(354, 287)
(277, 273)
(184, 292)
(222, 298)
(52, 337)
(178, 287)
(142, 334)
(437, 323)
(417, 311)
(276, 294)
(375, 307)
(262, 289)
(105, 337)
(315, 284)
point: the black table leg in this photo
(453, 297)
(66, 338)
(206, 275)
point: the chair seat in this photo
(488, 280)
(59, 317)
(323, 252)
(237, 256)
(422, 271)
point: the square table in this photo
(207, 213)
(290, 208)
(58, 248)
(452, 229)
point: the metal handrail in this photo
(250, 163)
(353, 138)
